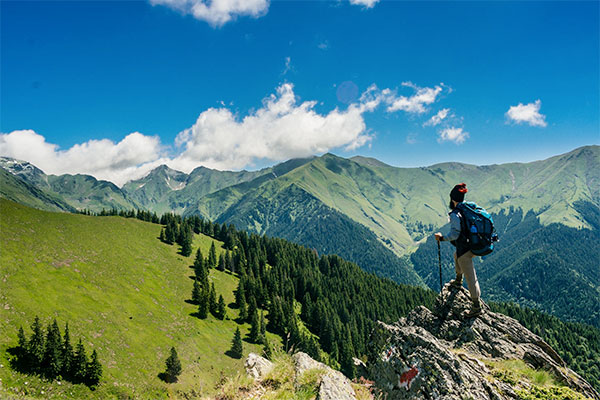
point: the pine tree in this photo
(346, 354)
(186, 240)
(221, 311)
(51, 362)
(170, 232)
(200, 268)
(162, 236)
(212, 300)
(79, 366)
(221, 266)
(173, 367)
(240, 301)
(237, 349)
(252, 307)
(254, 334)
(229, 262)
(67, 355)
(203, 305)
(212, 256)
(186, 248)
(267, 350)
(93, 371)
(21, 349)
(196, 292)
(263, 327)
(36, 347)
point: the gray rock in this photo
(437, 354)
(333, 386)
(257, 367)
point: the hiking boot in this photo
(475, 311)
(456, 283)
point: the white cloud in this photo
(288, 65)
(364, 3)
(281, 129)
(217, 12)
(131, 158)
(323, 45)
(456, 135)
(415, 103)
(437, 118)
(527, 113)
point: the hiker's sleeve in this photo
(454, 228)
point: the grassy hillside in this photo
(121, 290)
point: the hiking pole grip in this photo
(440, 264)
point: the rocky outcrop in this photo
(332, 384)
(444, 355)
(257, 367)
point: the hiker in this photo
(463, 257)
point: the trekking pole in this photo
(440, 264)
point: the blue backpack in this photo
(478, 228)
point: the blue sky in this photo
(285, 79)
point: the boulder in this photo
(257, 367)
(333, 386)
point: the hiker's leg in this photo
(465, 263)
(459, 275)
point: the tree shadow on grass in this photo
(165, 378)
(230, 353)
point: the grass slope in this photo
(121, 290)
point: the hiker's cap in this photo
(458, 192)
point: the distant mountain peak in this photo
(370, 161)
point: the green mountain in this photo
(16, 189)
(77, 191)
(86, 192)
(166, 190)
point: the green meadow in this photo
(122, 291)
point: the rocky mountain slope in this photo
(72, 192)
(440, 354)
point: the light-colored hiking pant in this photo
(464, 266)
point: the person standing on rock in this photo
(463, 257)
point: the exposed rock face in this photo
(439, 354)
(334, 385)
(256, 366)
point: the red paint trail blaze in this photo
(407, 377)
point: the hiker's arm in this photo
(454, 229)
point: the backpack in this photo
(477, 228)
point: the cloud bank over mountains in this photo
(281, 129)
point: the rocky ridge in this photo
(441, 354)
